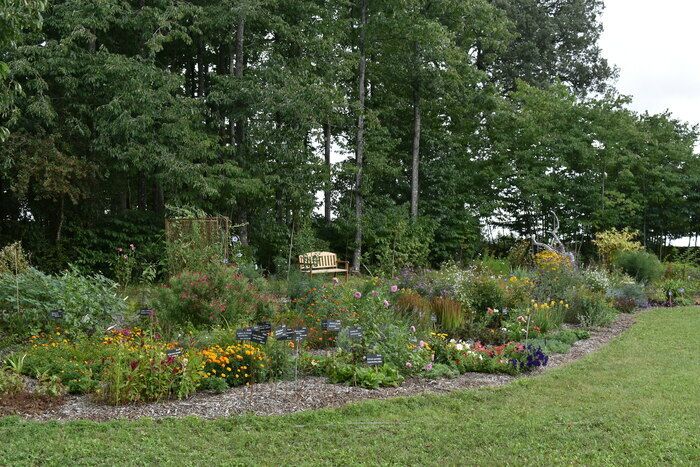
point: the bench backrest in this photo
(318, 260)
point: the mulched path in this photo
(307, 393)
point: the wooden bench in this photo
(322, 262)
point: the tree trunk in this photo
(142, 191)
(158, 201)
(239, 129)
(415, 155)
(61, 218)
(327, 153)
(200, 69)
(360, 141)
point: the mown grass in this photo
(636, 401)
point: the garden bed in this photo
(305, 394)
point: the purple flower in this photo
(394, 288)
(428, 367)
(358, 295)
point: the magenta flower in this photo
(358, 295)
(394, 288)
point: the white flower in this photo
(459, 347)
(504, 329)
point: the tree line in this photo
(453, 114)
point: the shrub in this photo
(645, 267)
(88, 302)
(596, 279)
(219, 296)
(13, 260)
(518, 291)
(10, 382)
(363, 376)
(589, 308)
(629, 296)
(612, 242)
(484, 292)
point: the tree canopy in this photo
(472, 113)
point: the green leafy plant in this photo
(645, 267)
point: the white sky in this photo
(654, 44)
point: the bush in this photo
(484, 292)
(10, 382)
(13, 260)
(627, 297)
(27, 299)
(589, 308)
(220, 295)
(613, 242)
(645, 267)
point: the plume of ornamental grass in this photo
(449, 313)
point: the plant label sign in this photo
(331, 325)
(265, 327)
(282, 333)
(301, 333)
(147, 312)
(258, 336)
(174, 352)
(244, 334)
(374, 359)
(433, 318)
(355, 333)
(56, 314)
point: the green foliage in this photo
(588, 308)
(88, 302)
(612, 242)
(629, 296)
(363, 376)
(217, 295)
(10, 382)
(13, 260)
(645, 267)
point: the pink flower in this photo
(394, 288)
(386, 303)
(428, 367)
(413, 329)
(409, 365)
(489, 311)
(358, 295)
(421, 344)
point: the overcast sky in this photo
(655, 44)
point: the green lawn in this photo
(636, 401)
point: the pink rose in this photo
(394, 288)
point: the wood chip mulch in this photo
(305, 394)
